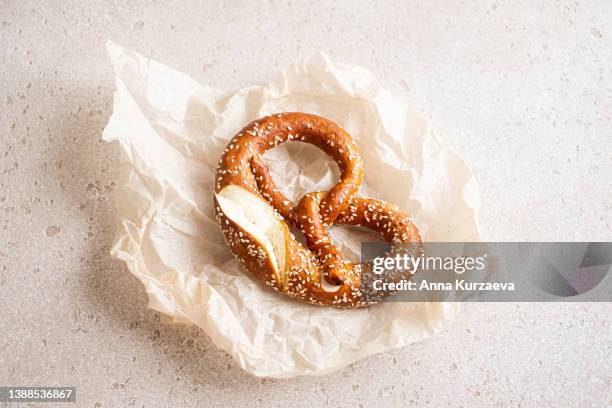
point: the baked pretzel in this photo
(254, 215)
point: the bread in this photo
(254, 216)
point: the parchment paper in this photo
(172, 130)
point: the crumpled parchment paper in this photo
(172, 131)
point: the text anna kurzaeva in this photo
(458, 265)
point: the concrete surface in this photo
(522, 89)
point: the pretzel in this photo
(255, 215)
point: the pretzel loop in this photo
(327, 136)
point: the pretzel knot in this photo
(255, 215)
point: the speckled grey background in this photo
(522, 89)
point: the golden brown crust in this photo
(309, 271)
